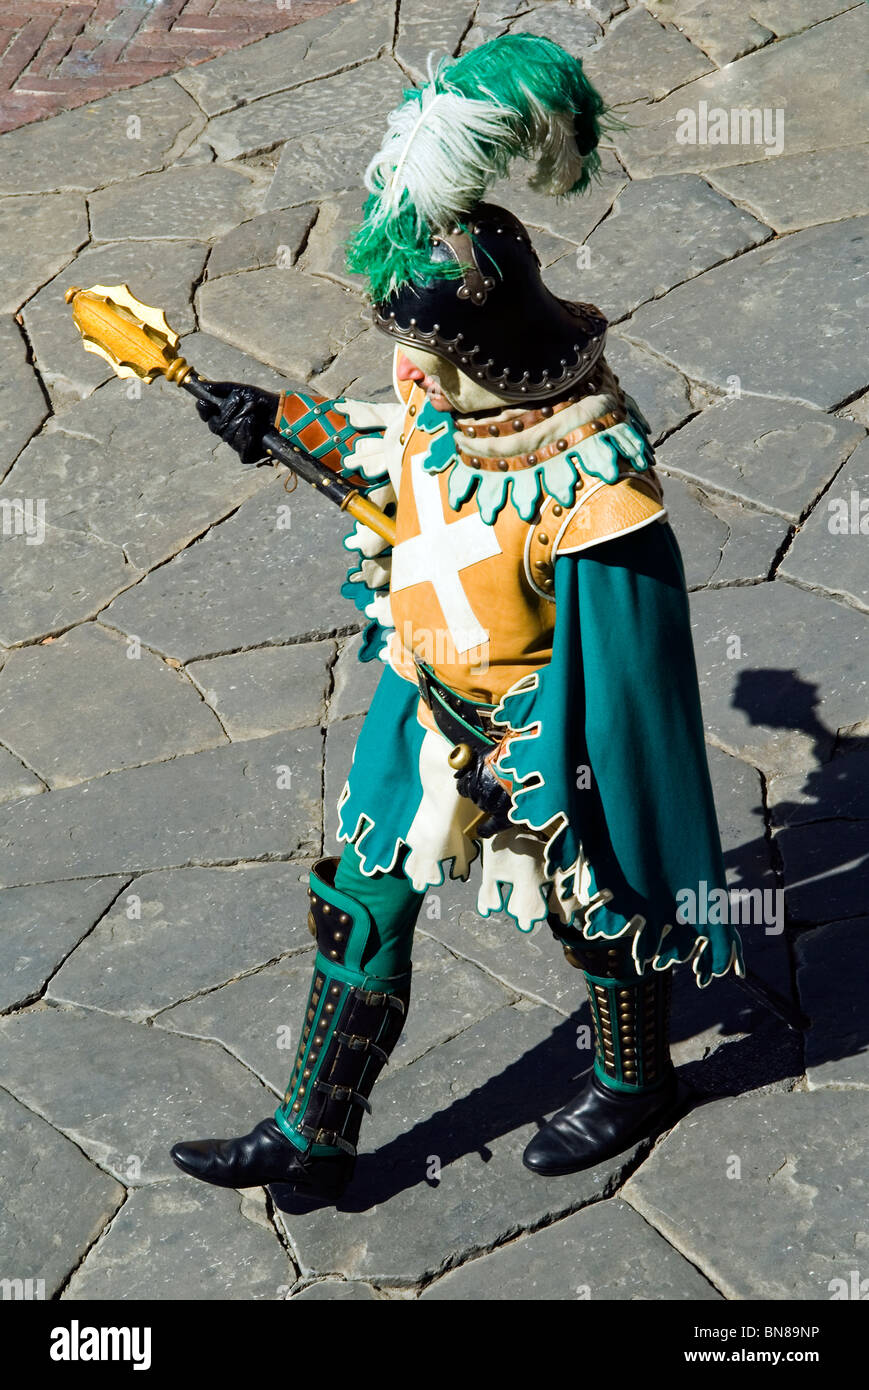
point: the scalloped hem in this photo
(659, 960)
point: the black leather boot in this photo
(632, 1089)
(351, 1025)
(263, 1156)
(597, 1124)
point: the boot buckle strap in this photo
(329, 1137)
(343, 1093)
(376, 999)
(356, 1043)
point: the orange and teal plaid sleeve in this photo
(318, 425)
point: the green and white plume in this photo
(450, 140)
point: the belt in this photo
(458, 719)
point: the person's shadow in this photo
(821, 838)
(764, 1052)
(818, 858)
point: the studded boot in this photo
(352, 1022)
(632, 1088)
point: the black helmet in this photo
(497, 322)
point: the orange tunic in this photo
(459, 592)
(472, 599)
(476, 601)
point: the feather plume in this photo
(449, 141)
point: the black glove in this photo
(242, 417)
(479, 784)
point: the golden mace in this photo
(136, 341)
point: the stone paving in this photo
(55, 55)
(180, 693)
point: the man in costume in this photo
(538, 710)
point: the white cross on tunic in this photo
(439, 554)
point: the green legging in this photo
(394, 906)
(629, 1011)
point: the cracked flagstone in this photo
(820, 821)
(39, 236)
(661, 233)
(55, 582)
(185, 1240)
(327, 245)
(771, 658)
(829, 550)
(336, 1289)
(160, 273)
(184, 932)
(331, 103)
(220, 361)
(570, 25)
(790, 16)
(53, 1202)
(824, 868)
(353, 681)
(725, 32)
(318, 318)
(106, 473)
(660, 391)
(640, 59)
(308, 51)
(739, 806)
(198, 203)
(570, 218)
(109, 140)
(258, 692)
(770, 454)
(40, 926)
(122, 1092)
(425, 28)
(530, 963)
(605, 1251)
(800, 190)
(258, 799)
(23, 406)
(81, 707)
(362, 371)
(15, 779)
(324, 163)
(722, 542)
(838, 790)
(490, 19)
(262, 241)
(837, 1043)
(815, 79)
(796, 1163)
(802, 307)
(270, 574)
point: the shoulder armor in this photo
(603, 511)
